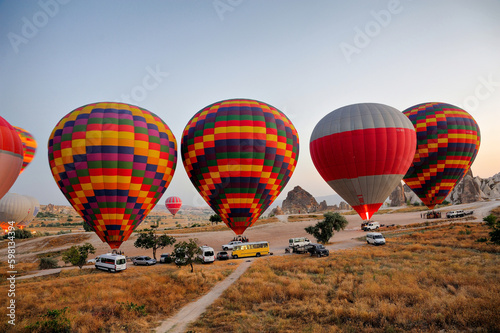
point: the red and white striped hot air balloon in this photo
(363, 151)
(173, 204)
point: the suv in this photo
(231, 245)
(317, 250)
(375, 238)
(371, 226)
(165, 258)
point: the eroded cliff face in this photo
(469, 189)
(299, 201)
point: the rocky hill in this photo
(299, 201)
(469, 189)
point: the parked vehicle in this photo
(375, 238)
(92, 261)
(299, 241)
(144, 260)
(222, 255)
(165, 258)
(111, 262)
(251, 249)
(455, 214)
(231, 245)
(318, 250)
(371, 226)
(207, 254)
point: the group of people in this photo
(431, 215)
(241, 239)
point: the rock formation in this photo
(322, 206)
(299, 201)
(397, 197)
(469, 189)
(344, 206)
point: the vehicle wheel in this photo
(135, 263)
(319, 255)
(367, 242)
(112, 270)
(147, 264)
(235, 256)
(257, 255)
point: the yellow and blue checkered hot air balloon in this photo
(113, 162)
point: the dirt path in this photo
(192, 311)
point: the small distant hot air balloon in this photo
(363, 151)
(11, 156)
(112, 161)
(173, 204)
(239, 154)
(14, 208)
(34, 209)
(448, 139)
(29, 146)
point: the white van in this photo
(375, 238)
(111, 262)
(207, 254)
(299, 241)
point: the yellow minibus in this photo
(251, 249)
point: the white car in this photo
(375, 238)
(231, 245)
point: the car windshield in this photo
(378, 236)
(321, 247)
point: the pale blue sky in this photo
(307, 58)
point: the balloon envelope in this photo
(363, 151)
(239, 154)
(448, 139)
(173, 204)
(34, 209)
(14, 208)
(112, 161)
(11, 156)
(29, 146)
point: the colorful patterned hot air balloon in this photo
(363, 151)
(112, 161)
(29, 146)
(173, 204)
(448, 139)
(11, 156)
(239, 154)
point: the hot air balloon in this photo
(11, 156)
(34, 209)
(13, 208)
(448, 139)
(173, 204)
(29, 146)
(112, 161)
(363, 151)
(239, 154)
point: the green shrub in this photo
(47, 263)
(54, 321)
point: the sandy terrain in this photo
(276, 233)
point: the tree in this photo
(185, 253)
(215, 218)
(150, 240)
(86, 227)
(323, 230)
(492, 222)
(77, 255)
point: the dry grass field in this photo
(134, 300)
(430, 280)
